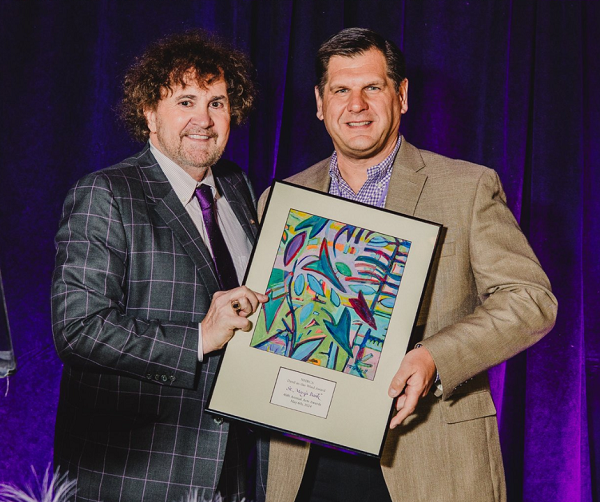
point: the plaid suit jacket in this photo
(132, 281)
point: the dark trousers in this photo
(334, 476)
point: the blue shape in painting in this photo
(315, 223)
(315, 285)
(330, 283)
(299, 285)
(335, 298)
(305, 349)
(323, 266)
(341, 331)
(306, 311)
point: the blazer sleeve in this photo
(91, 328)
(517, 307)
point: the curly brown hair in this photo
(170, 61)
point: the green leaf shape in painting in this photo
(323, 266)
(276, 279)
(306, 348)
(341, 331)
(315, 223)
(271, 308)
(343, 269)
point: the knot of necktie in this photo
(205, 197)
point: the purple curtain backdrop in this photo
(512, 85)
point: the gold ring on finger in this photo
(236, 306)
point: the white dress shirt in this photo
(235, 238)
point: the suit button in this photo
(218, 420)
(157, 377)
(149, 376)
(164, 378)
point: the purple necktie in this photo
(221, 255)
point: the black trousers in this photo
(334, 476)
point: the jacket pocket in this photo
(465, 407)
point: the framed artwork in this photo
(344, 282)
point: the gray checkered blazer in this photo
(132, 280)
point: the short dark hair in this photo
(170, 61)
(352, 42)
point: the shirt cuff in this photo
(439, 389)
(200, 351)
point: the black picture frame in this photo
(344, 408)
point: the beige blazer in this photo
(486, 300)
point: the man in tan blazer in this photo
(487, 298)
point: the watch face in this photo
(7, 356)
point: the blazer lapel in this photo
(162, 199)
(406, 183)
(317, 177)
(237, 193)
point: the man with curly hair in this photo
(145, 293)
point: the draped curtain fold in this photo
(511, 85)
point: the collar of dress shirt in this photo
(183, 184)
(375, 173)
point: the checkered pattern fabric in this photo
(374, 191)
(132, 281)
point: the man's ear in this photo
(403, 93)
(319, 103)
(150, 115)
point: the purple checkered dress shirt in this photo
(375, 189)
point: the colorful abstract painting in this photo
(331, 292)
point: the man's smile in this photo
(199, 135)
